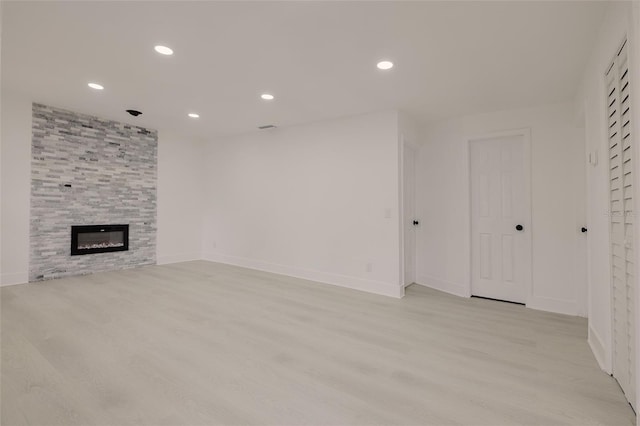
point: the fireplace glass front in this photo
(99, 239)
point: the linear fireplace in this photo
(99, 239)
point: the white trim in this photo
(177, 258)
(356, 283)
(444, 285)
(597, 347)
(606, 163)
(401, 205)
(633, 38)
(14, 278)
(559, 306)
(528, 220)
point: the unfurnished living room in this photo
(319, 213)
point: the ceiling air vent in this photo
(267, 126)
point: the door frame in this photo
(526, 151)
(404, 142)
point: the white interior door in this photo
(500, 219)
(621, 223)
(409, 207)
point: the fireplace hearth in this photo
(90, 239)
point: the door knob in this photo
(416, 223)
(584, 229)
(519, 227)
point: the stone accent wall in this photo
(89, 171)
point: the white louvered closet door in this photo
(621, 214)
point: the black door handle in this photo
(519, 227)
(416, 223)
(583, 229)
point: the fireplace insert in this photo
(91, 239)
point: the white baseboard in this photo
(370, 286)
(597, 347)
(558, 306)
(15, 278)
(176, 258)
(443, 285)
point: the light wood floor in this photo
(201, 343)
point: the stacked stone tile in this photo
(89, 171)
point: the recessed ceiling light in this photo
(95, 86)
(267, 96)
(164, 50)
(385, 65)
(193, 115)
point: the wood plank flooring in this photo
(201, 343)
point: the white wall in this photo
(180, 198)
(179, 193)
(16, 187)
(557, 156)
(1, 6)
(591, 100)
(318, 201)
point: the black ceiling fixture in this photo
(134, 112)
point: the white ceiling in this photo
(317, 58)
